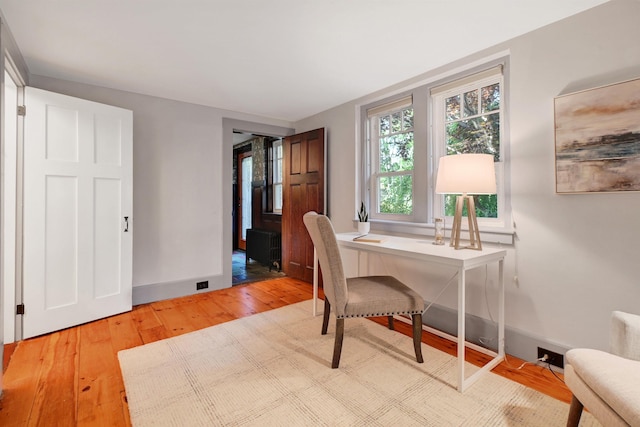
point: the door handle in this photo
(126, 224)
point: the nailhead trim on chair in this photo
(379, 314)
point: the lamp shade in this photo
(466, 174)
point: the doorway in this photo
(253, 193)
(233, 130)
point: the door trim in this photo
(12, 322)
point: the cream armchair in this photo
(608, 384)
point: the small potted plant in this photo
(363, 220)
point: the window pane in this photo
(277, 197)
(470, 103)
(407, 119)
(453, 107)
(395, 194)
(396, 152)
(277, 162)
(278, 175)
(478, 135)
(384, 125)
(490, 98)
(396, 122)
(486, 205)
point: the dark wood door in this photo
(303, 191)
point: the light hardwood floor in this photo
(72, 377)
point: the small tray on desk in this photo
(369, 239)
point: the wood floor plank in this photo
(155, 334)
(148, 325)
(216, 313)
(72, 377)
(123, 332)
(21, 380)
(185, 316)
(145, 317)
(6, 355)
(56, 394)
(99, 381)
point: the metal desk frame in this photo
(462, 260)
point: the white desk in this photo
(462, 260)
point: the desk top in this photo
(423, 249)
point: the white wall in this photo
(576, 256)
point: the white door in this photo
(77, 264)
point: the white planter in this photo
(364, 227)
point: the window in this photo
(277, 176)
(392, 159)
(467, 117)
(407, 134)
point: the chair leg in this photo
(417, 336)
(337, 347)
(575, 412)
(325, 318)
(390, 319)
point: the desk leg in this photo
(461, 328)
(463, 382)
(315, 282)
(501, 308)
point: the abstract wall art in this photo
(597, 139)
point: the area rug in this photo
(273, 369)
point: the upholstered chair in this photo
(607, 384)
(369, 296)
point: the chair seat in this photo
(614, 379)
(381, 296)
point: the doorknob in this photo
(126, 224)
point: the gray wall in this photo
(181, 174)
(575, 256)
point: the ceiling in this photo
(283, 59)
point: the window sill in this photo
(488, 234)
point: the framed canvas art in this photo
(597, 139)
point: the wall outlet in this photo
(202, 285)
(553, 358)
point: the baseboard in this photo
(485, 333)
(143, 294)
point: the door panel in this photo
(107, 243)
(60, 243)
(77, 193)
(303, 186)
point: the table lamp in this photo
(466, 175)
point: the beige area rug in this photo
(273, 369)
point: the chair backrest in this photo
(625, 335)
(326, 245)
